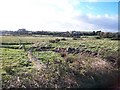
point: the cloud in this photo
(35, 13)
(99, 0)
(51, 15)
(105, 22)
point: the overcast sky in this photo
(59, 15)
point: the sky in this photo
(59, 15)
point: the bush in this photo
(52, 41)
(57, 40)
(74, 38)
(98, 37)
(64, 39)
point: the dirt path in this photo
(37, 64)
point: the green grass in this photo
(26, 39)
(14, 62)
(91, 44)
(48, 55)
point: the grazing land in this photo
(58, 62)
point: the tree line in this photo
(76, 34)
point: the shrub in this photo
(52, 41)
(74, 38)
(98, 37)
(64, 39)
(57, 40)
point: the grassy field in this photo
(63, 69)
(89, 43)
(25, 39)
